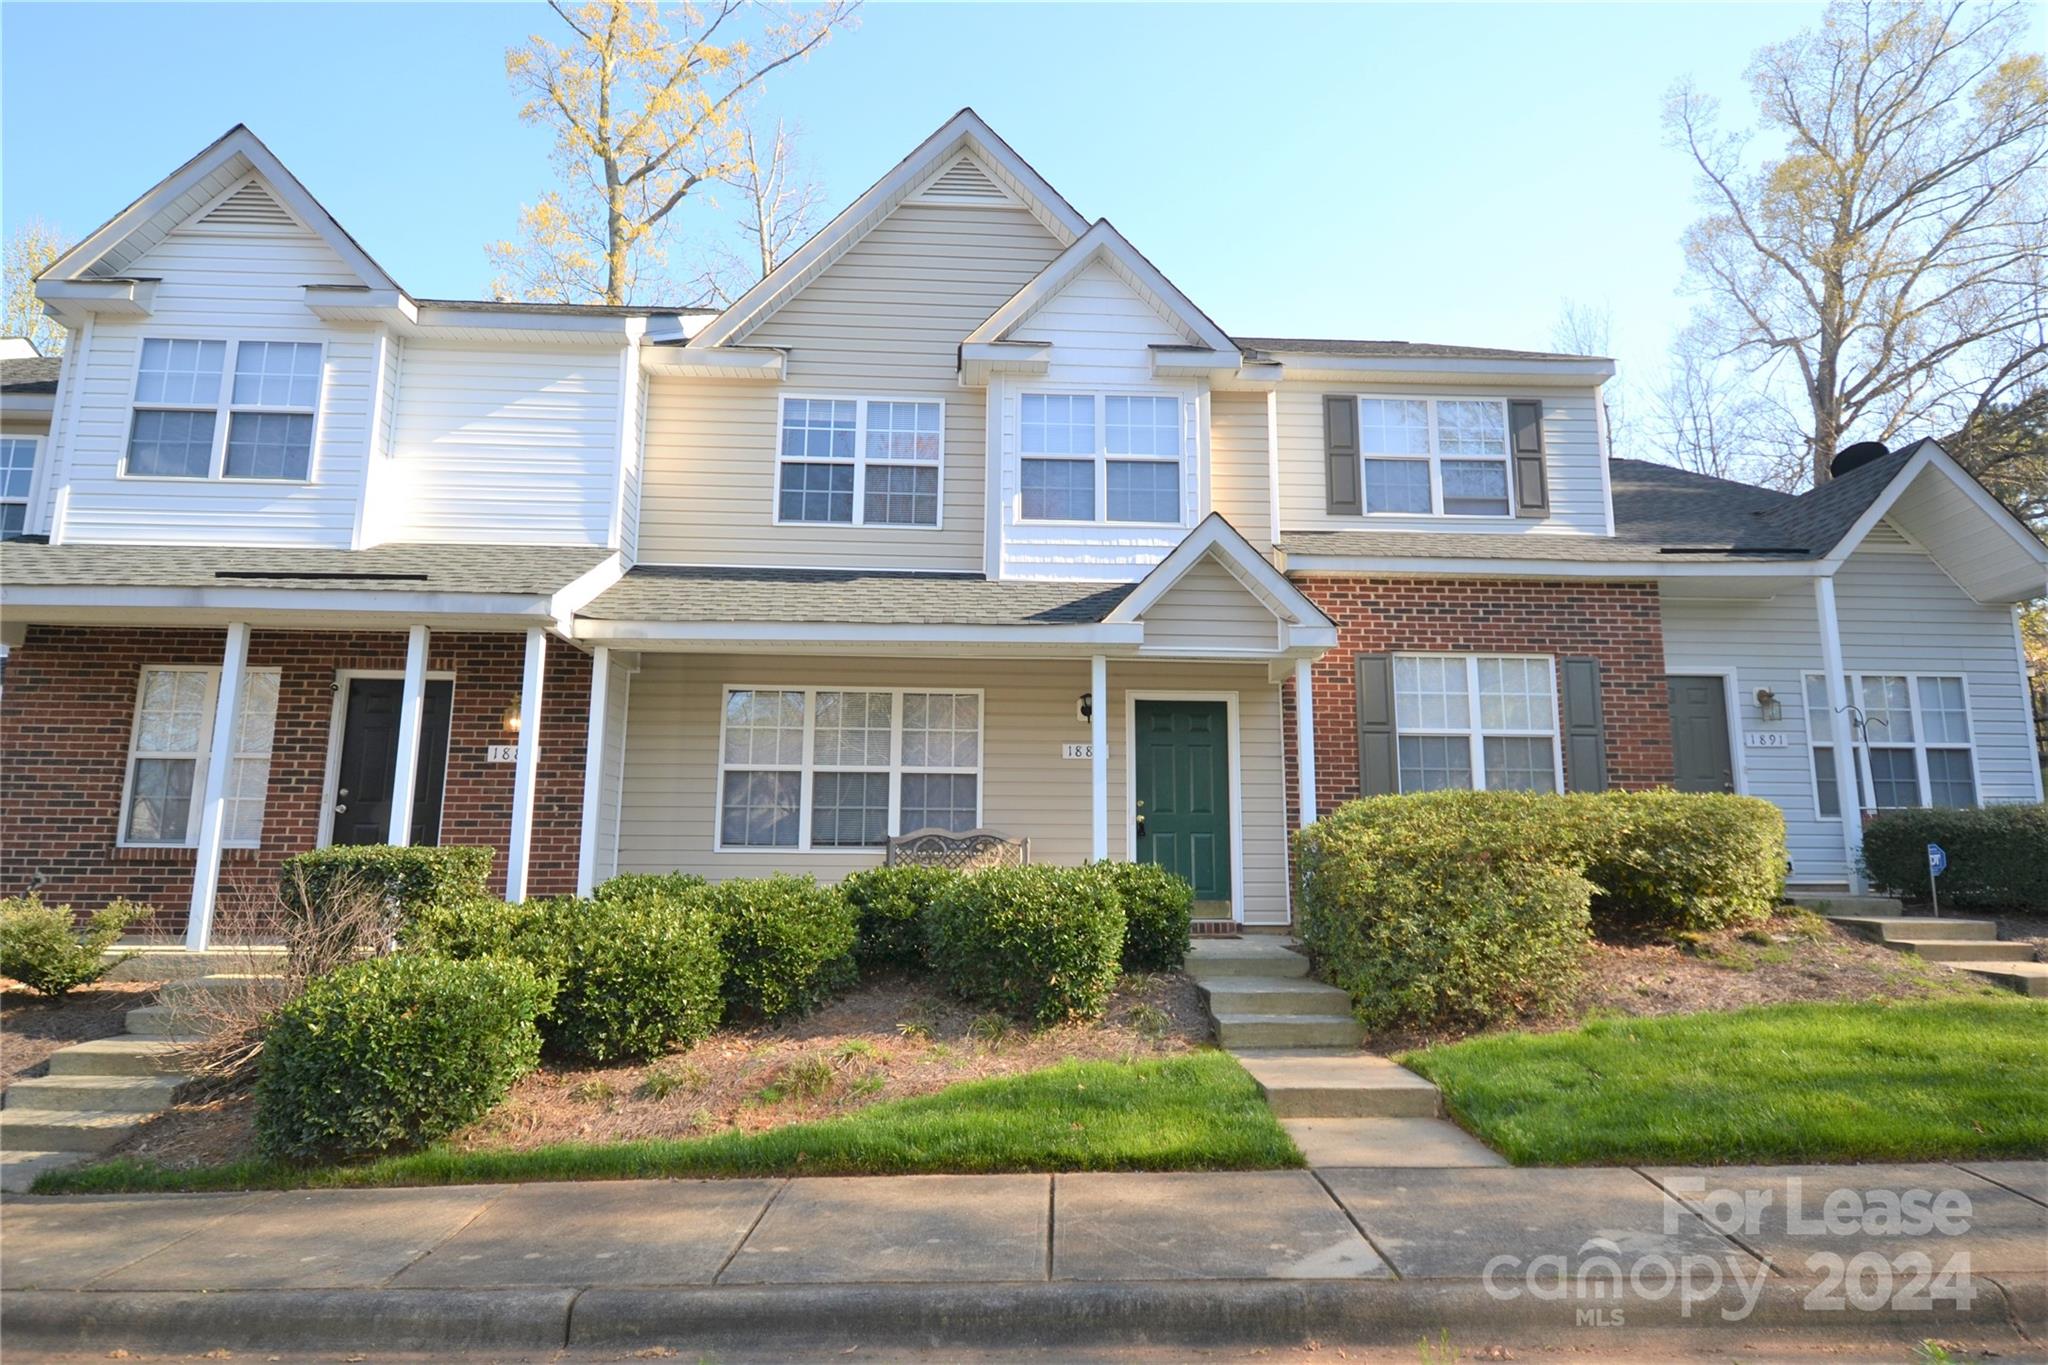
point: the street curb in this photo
(422, 1320)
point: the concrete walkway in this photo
(1366, 1255)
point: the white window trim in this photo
(224, 409)
(860, 461)
(807, 768)
(36, 446)
(1435, 458)
(201, 758)
(1920, 745)
(1184, 459)
(1474, 733)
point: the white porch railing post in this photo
(411, 712)
(526, 773)
(1305, 739)
(1839, 733)
(1098, 748)
(593, 769)
(213, 803)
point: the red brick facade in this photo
(1617, 623)
(68, 707)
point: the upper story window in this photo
(17, 472)
(860, 461)
(198, 418)
(1100, 458)
(1435, 456)
(1911, 748)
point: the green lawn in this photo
(1928, 1080)
(1198, 1112)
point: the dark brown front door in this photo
(1699, 735)
(369, 762)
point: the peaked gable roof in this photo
(934, 159)
(1217, 539)
(1104, 244)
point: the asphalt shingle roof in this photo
(1421, 350)
(29, 374)
(688, 594)
(519, 570)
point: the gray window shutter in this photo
(1378, 774)
(1532, 484)
(1340, 455)
(1585, 731)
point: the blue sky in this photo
(1439, 173)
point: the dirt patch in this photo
(891, 1039)
(33, 1026)
(2026, 929)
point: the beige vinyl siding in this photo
(1239, 482)
(1571, 447)
(1208, 609)
(1028, 789)
(884, 321)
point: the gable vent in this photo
(249, 206)
(964, 182)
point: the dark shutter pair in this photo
(1343, 490)
(1379, 763)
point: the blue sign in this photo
(1937, 860)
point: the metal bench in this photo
(965, 850)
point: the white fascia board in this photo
(1182, 362)
(1932, 457)
(964, 131)
(72, 301)
(582, 329)
(152, 605)
(348, 303)
(981, 359)
(27, 405)
(784, 632)
(1629, 570)
(584, 589)
(1104, 243)
(766, 363)
(1218, 537)
(1250, 377)
(1534, 372)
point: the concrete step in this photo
(1273, 995)
(173, 962)
(1953, 950)
(1398, 1142)
(1340, 1084)
(160, 1022)
(1842, 903)
(2028, 978)
(116, 1057)
(1266, 956)
(1894, 928)
(216, 983)
(94, 1094)
(63, 1130)
(18, 1170)
(1287, 1030)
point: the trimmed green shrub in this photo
(1159, 909)
(1997, 855)
(636, 973)
(1042, 943)
(40, 948)
(411, 879)
(394, 1052)
(889, 905)
(675, 885)
(469, 928)
(788, 942)
(1667, 863)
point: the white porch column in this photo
(213, 805)
(1098, 747)
(1839, 733)
(593, 769)
(1305, 740)
(412, 707)
(526, 773)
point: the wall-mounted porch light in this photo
(510, 718)
(1768, 707)
(1084, 705)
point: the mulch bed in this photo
(33, 1026)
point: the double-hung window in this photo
(170, 747)
(860, 461)
(17, 472)
(1101, 458)
(198, 417)
(822, 768)
(1912, 747)
(1480, 722)
(1435, 456)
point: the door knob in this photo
(341, 808)
(1141, 827)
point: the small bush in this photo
(1159, 909)
(1042, 943)
(1997, 855)
(889, 905)
(472, 928)
(788, 942)
(394, 1052)
(674, 885)
(411, 879)
(635, 974)
(40, 948)
(1667, 863)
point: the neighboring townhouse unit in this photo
(963, 518)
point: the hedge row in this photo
(1997, 855)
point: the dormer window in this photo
(1435, 456)
(1100, 458)
(184, 388)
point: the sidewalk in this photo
(1364, 1255)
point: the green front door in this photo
(1183, 795)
